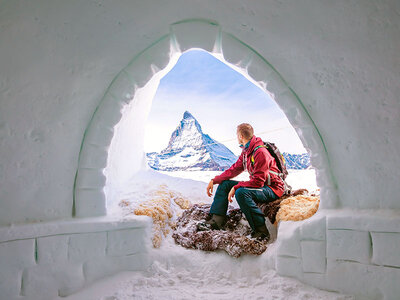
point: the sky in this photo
(219, 98)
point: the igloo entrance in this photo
(132, 84)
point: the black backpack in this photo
(280, 163)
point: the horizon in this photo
(212, 91)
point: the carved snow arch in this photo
(89, 198)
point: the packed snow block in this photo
(349, 245)
(147, 63)
(126, 242)
(52, 280)
(93, 156)
(368, 220)
(52, 249)
(98, 268)
(385, 248)
(101, 128)
(237, 53)
(90, 202)
(313, 254)
(289, 266)
(316, 279)
(10, 282)
(363, 281)
(122, 88)
(288, 242)
(314, 228)
(329, 196)
(90, 178)
(83, 247)
(17, 255)
(196, 33)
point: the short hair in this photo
(246, 130)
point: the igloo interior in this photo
(68, 69)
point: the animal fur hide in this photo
(235, 236)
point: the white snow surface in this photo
(180, 273)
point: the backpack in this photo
(280, 163)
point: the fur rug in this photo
(234, 239)
(235, 236)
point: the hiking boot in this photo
(261, 233)
(216, 222)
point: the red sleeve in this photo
(260, 173)
(233, 171)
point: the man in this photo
(263, 186)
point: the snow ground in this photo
(179, 273)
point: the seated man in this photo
(264, 184)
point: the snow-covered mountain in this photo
(190, 149)
(297, 161)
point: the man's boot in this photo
(216, 221)
(261, 233)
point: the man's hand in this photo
(210, 188)
(231, 194)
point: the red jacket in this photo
(263, 163)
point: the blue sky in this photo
(219, 98)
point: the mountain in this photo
(190, 149)
(297, 161)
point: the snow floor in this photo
(180, 273)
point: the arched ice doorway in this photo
(135, 83)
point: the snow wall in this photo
(334, 69)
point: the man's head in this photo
(244, 133)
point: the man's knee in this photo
(224, 185)
(240, 194)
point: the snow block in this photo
(329, 195)
(90, 178)
(316, 280)
(106, 116)
(313, 255)
(367, 220)
(10, 282)
(385, 248)
(122, 88)
(147, 63)
(288, 242)
(289, 266)
(92, 202)
(51, 281)
(314, 228)
(52, 249)
(237, 53)
(93, 156)
(126, 242)
(357, 279)
(102, 267)
(349, 245)
(83, 247)
(17, 254)
(194, 33)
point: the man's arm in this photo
(233, 171)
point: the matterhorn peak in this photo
(188, 115)
(190, 149)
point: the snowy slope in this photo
(190, 149)
(297, 161)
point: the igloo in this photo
(68, 69)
